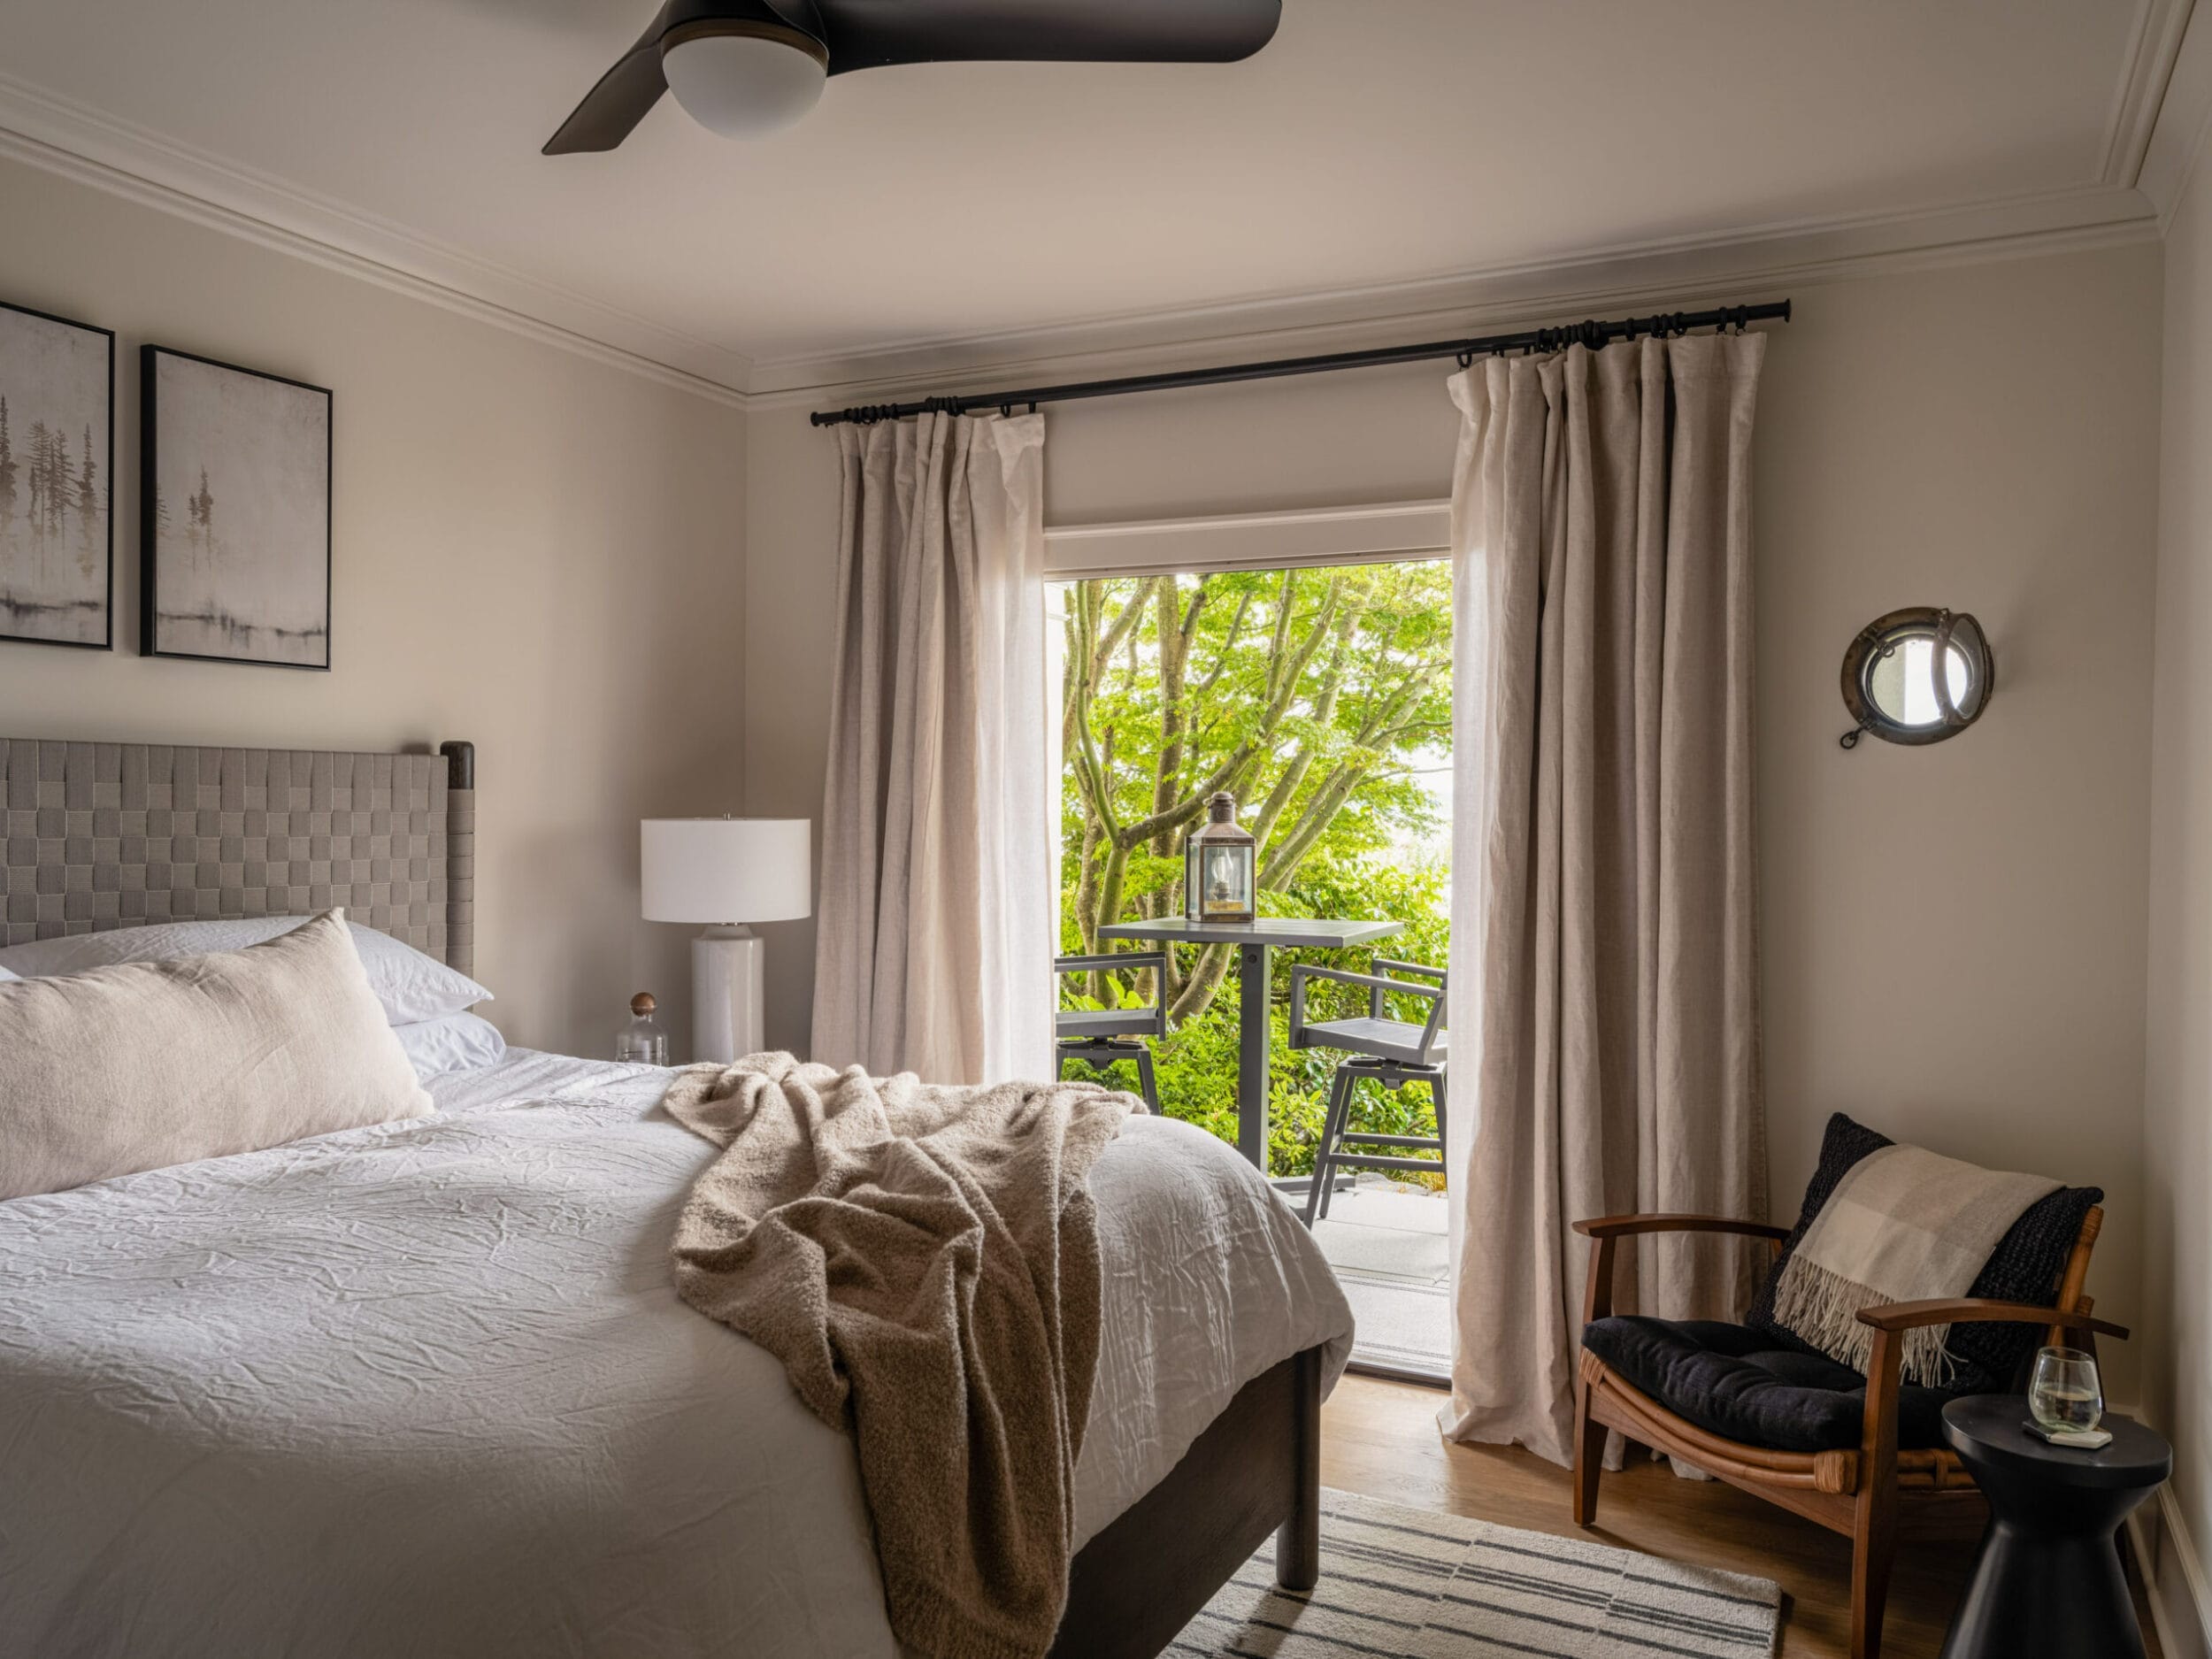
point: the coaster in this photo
(2076, 1440)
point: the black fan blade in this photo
(611, 109)
(872, 34)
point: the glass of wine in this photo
(2065, 1393)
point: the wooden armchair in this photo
(1857, 1491)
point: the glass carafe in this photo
(642, 1041)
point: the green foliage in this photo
(1308, 694)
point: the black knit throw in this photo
(2025, 1267)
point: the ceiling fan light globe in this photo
(741, 85)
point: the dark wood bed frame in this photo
(1256, 1470)
(124, 834)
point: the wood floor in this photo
(1379, 1437)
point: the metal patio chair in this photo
(1099, 1037)
(1389, 1051)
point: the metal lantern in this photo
(1221, 867)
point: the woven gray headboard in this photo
(100, 835)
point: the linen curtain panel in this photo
(934, 950)
(1604, 934)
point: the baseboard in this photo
(2173, 1577)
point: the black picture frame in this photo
(150, 508)
(106, 642)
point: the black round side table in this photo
(2046, 1582)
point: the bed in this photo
(426, 1387)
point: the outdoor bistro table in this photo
(1254, 940)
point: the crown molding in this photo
(2153, 45)
(60, 136)
(2177, 136)
(2158, 125)
(1722, 268)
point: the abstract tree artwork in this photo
(234, 500)
(56, 428)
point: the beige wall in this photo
(2177, 1309)
(533, 550)
(1954, 936)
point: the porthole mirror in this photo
(1916, 676)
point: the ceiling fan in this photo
(745, 67)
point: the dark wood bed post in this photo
(1298, 1539)
(1255, 1470)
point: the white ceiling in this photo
(1374, 142)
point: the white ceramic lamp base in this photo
(725, 994)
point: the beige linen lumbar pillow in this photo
(144, 1065)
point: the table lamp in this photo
(726, 871)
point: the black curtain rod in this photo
(1591, 334)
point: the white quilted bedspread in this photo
(425, 1389)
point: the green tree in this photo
(1308, 694)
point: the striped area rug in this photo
(1406, 1584)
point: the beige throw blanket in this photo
(924, 1262)
(1903, 1225)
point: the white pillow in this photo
(144, 1065)
(5, 976)
(458, 1043)
(409, 984)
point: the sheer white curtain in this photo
(935, 946)
(1604, 1003)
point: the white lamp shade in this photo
(725, 869)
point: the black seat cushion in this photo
(1757, 1383)
(2025, 1267)
(1738, 1383)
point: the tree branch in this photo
(1123, 624)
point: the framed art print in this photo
(57, 496)
(234, 504)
